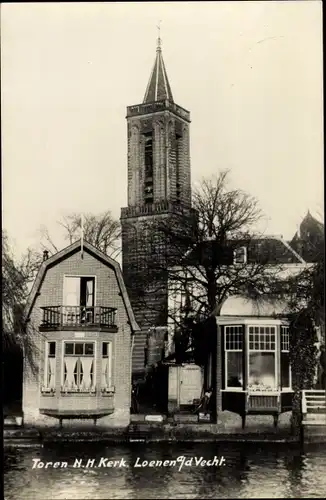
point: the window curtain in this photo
(106, 379)
(87, 367)
(89, 293)
(70, 364)
(51, 373)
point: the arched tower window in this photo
(148, 168)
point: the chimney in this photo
(45, 255)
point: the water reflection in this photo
(250, 471)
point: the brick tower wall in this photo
(166, 126)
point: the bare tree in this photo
(16, 278)
(101, 230)
(195, 249)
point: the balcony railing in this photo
(55, 317)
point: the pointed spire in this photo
(158, 88)
(308, 216)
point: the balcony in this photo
(78, 318)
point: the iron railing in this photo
(76, 316)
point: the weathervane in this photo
(159, 41)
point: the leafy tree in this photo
(307, 289)
(307, 302)
(303, 359)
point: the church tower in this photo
(158, 178)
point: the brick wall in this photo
(166, 150)
(108, 295)
(171, 165)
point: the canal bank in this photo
(140, 432)
(152, 429)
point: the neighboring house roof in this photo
(66, 252)
(238, 305)
(264, 250)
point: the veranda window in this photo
(106, 383)
(233, 356)
(78, 369)
(49, 367)
(285, 358)
(262, 358)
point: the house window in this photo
(240, 255)
(233, 356)
(285, 358)
(262, 357)
(106, 382)
(50, 366)
(78, 366)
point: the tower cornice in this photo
(156, 107)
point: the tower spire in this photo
(158, 88)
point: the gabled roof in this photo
(312, 221)
(309, 239)
(66, 252)
(158, 88)
(263, 250)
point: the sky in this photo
(250, 73)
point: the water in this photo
(250, 471)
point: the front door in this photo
(191, 384)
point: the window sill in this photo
(108, 391)
(275, 392)
(48, 392)
(78, 391)
(262, 388)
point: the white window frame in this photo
(110, 387)
(45, 387)
(289, 388)
(273, 351)
(80, 276)
(236, 252)
(78, 341)
(226, 351)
